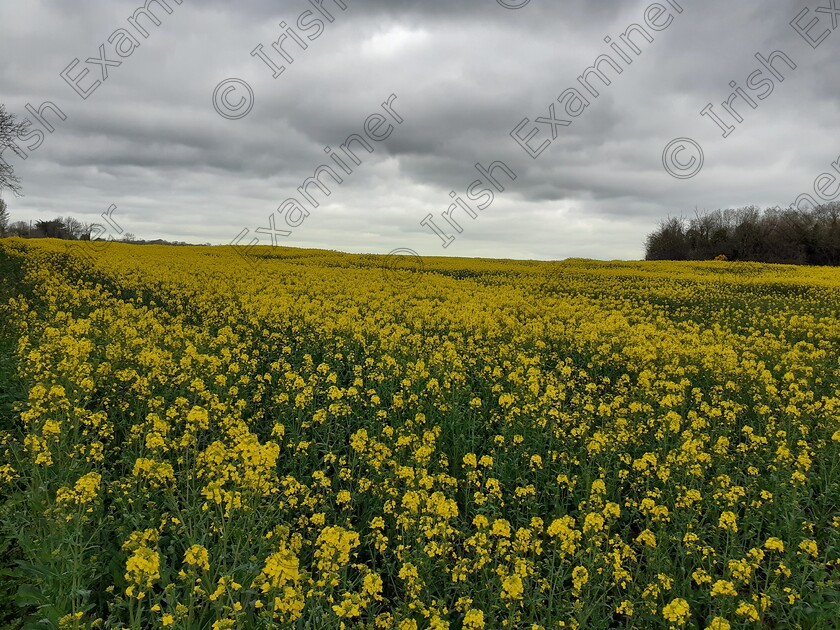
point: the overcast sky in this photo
(460, 76)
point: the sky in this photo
(212, 124)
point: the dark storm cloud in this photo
(465, 73)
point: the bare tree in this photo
(780, 235)
(10, 129)
(4, 218)
(87, 230)
(669, 243)
(19, 228)
(74, 228)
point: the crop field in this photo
(322, 441)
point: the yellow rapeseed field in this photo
(316, 443)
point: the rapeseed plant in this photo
(540, 445)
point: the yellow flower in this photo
(70, 621)
(748, 611)
(333, 547)
(512, 587)
(473, 620)
(51, 429)
(809, 547)
(280, 569)
(580, 576)
(372, 586)
(677, 611)
(411, 576)
(647, 538)
(142, 568)
(740, 570)
(501, 527)
(155, 472)
(563, 531)
(724, 587)
(296, 402)
(350, 606)
(85, 490)
(197, 556)
(701, 577)
(612, 510)
(593, 523)
(728, 521)
(290, 604)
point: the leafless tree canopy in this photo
(9, 129)
(4, 218)
(775, 235)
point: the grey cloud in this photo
(465, 73)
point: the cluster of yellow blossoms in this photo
(483, 444)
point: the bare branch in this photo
(10, 130)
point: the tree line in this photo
(67, 228)
(773, 235)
